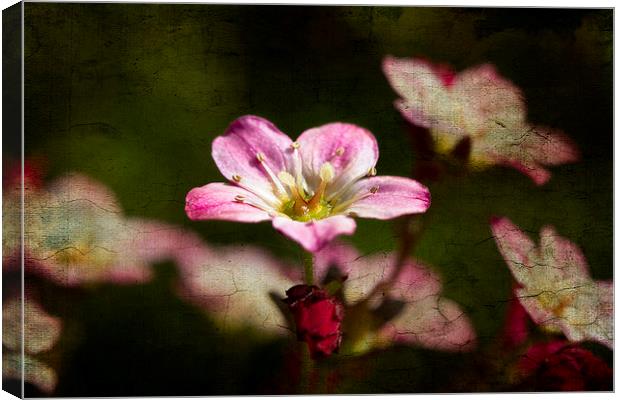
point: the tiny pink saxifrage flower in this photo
(76, 233)
(482, 106)
(556, 288)
(427, 318)
(309, 188)
(237, 285)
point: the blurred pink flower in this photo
(562, 366)
(427, 319)
(243, 286)
(309, 189)
(480, 105)
(239, 286)
(40, 332)
(75, 232)
(556, 288)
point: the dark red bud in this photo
(318, 318)
(561, 366)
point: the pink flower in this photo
(480, 105)
(426, 319)
(40, 331)
(556, 288)
(239, 286)
(309, 188)
(75, 232)
(242, 286)
(562, 366)
(318, 318)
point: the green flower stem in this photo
(306, 369)
(309, 267)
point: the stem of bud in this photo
(309, 267)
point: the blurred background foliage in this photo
(133, 95)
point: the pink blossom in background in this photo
(556, 288)
(40, 331)
(563, 366)
(238, 286)
(75, 232)
(310, 189)
(480, 105)
(427, 319)
(243, 286)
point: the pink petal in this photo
(539, 314)
(153, 241)
(516, 247)
(41, 330)
(528, 149)
(217, 201)
(605, 314)
(394, 196)
(336, 254)
(77, 188)
(314, 235)
(366, 272)
(563, 255)
(235, 284)
(35, 371)
(434, 323)
(489, 99)
(550, 146)
(415, 282)
(235, 152)
(128, 273)
(352, 151)
(425, 98)
(536, 172)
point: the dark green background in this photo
(133, 95)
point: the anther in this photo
(339, 151)
(353, 214)
(295, 145)
(374, 189)
(372, 171)
(287, 179)
(236, 178)
(327, 172)
(239, 198)
(260, 157)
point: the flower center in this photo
(555, 302)
(292, 197)
(302, 206)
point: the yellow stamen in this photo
(341, 207)
(274, 179)
(301, 206)
(236, 178)
(327, 175)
